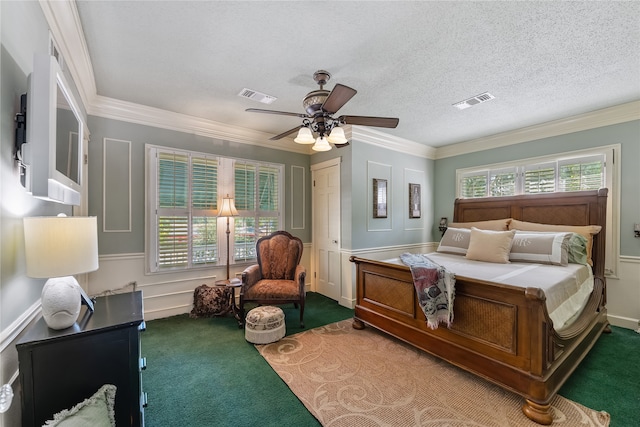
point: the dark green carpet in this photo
(202, 372)
(608, 379)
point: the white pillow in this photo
(490, 246)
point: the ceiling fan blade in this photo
(381, 122)
(341, 145)
(339, 96)
(282, 113)
(283, 134)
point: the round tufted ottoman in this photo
(264, 325)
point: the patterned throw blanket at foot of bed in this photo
(435, 287)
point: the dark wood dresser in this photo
(59, 369)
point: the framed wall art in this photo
(379, 198)
(415, 210)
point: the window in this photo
(531, 177)
(574, 171)
(184, 190)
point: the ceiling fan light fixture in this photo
(321, 144)
(304, 136)
(337, 136)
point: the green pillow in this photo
(96, 411)
(578, 249)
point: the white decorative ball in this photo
(60, 302)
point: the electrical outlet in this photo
(636, 230)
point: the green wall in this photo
(139, 135)
(360, 164)
(626, 134)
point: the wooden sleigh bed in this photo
(500, 332)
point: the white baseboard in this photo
(623, 322)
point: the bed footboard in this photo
(499, 332)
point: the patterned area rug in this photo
(347, 377)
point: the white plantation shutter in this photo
(474, 184)
(173, 215)
(579, 173)
(204, 205)
(268, 189)
(540, 178)
(268, 199)
(204, 183)
(186, 206)
(245, 186)
(245, 224)
(257, 196)
(502, 182)
(585, 173)
(173, 248)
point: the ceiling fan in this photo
(320, 106)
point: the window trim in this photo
(612, 155)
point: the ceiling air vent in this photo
(478, 99)
(257, 96)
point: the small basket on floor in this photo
(264, 325)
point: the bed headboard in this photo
(570, 208)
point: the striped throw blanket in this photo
(435, 287)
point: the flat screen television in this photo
(52, 154)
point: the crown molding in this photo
(66, 30)
(591, 120)
(384, 140)
(111, 108)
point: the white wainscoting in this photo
(166, 294)
(623, 294)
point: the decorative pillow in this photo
(588, 231)
(494, 224)
(578, 249)
(490, 246)
(543, 248)
(455, 241)
(96, 411)
(209, 301)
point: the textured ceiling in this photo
(541, 60)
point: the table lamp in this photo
(57, 248)
(228, 209)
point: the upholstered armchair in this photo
(278, 278)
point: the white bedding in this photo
(567, 288)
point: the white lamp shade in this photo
(60, 246)
(228, 207)
(304, 136)
(337, 136)
(321, 145)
